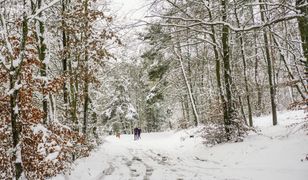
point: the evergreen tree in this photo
(121, 114)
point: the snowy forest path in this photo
(145, 161)
(276, 152)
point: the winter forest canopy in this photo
(73, 71)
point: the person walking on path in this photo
(139, 133)
(135, 133)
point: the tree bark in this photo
(42, 53)
(196, 120)
(258, 107)
(227, 68)
(303, 28)
(16, 126)
(14, 122)
(269, 67)
(73, 95)
(65, 52)
(217, 71)
(244, 72)
(86, 80)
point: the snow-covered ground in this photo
(275, 153)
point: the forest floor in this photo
(277, 152)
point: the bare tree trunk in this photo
(259, 90)
(73, 95)
(227, 68)
(13, 80)
(86, 105)
(86, 81)
(41, 47)
(217, 71)
(65, 54)
(244, 73)
(52, 103)
(269, 68)
(242, 108)
(303, 26)
(16, 126)
(188, 89)
(189, 80)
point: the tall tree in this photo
(227, 68)
(41, 48)
(29, 48)
(243, 55)
(303, 26)
(270, 69)
(86, 80)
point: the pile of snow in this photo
(276, 152)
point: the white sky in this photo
(131, 9)
(127, 15)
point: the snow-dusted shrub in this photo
(43, 149)
(238, 130)
(213, 134)
(46, 150)
(216, 132)
(182, 124)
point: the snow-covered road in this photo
(276, 153)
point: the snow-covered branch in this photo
(302, 5)
(230, 26)
(5, 34)
(43, 8)
(7, 43)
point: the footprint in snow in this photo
(129, 163)
(134, 173)
(109, 170)
(136, 159)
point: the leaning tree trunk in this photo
(190, 82)
(193, 103)
(291, 76)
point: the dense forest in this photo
(66, 80)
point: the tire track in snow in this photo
(106, 172)
(137, 160)
(171, 166)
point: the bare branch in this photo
(42, 9)
(230, 26)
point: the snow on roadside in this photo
(284, 118)
(277, 152)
